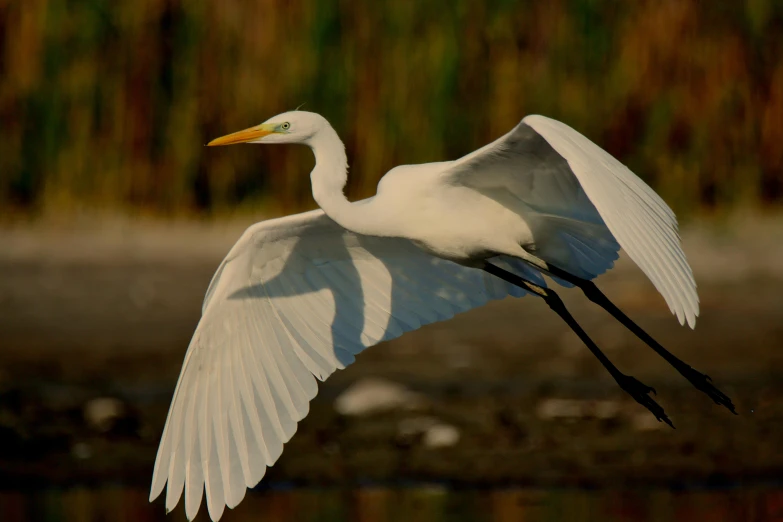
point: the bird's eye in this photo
(285, 126)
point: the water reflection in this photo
(409, 505)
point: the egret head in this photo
(288, 127)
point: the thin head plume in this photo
(300, 106)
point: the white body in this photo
(432, 214)
(300, 296)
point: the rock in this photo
(373, 395)
(434, 432)
(441, 436)
(552, 408)
(101, 413)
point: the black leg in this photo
(699, 380)
(636, 389)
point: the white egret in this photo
(300, 296)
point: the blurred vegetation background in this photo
(106, 105)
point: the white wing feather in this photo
(296, 297)
(639, 219)
(582, 205)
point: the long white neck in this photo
(328, 180)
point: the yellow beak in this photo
(243, 136)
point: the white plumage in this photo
(298, 297)
(639, 219)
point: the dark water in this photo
(410, 505)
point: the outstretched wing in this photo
(296, 297)
(581, 203)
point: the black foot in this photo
(704, 383)
(640, 392)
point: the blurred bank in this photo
(106, 105)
